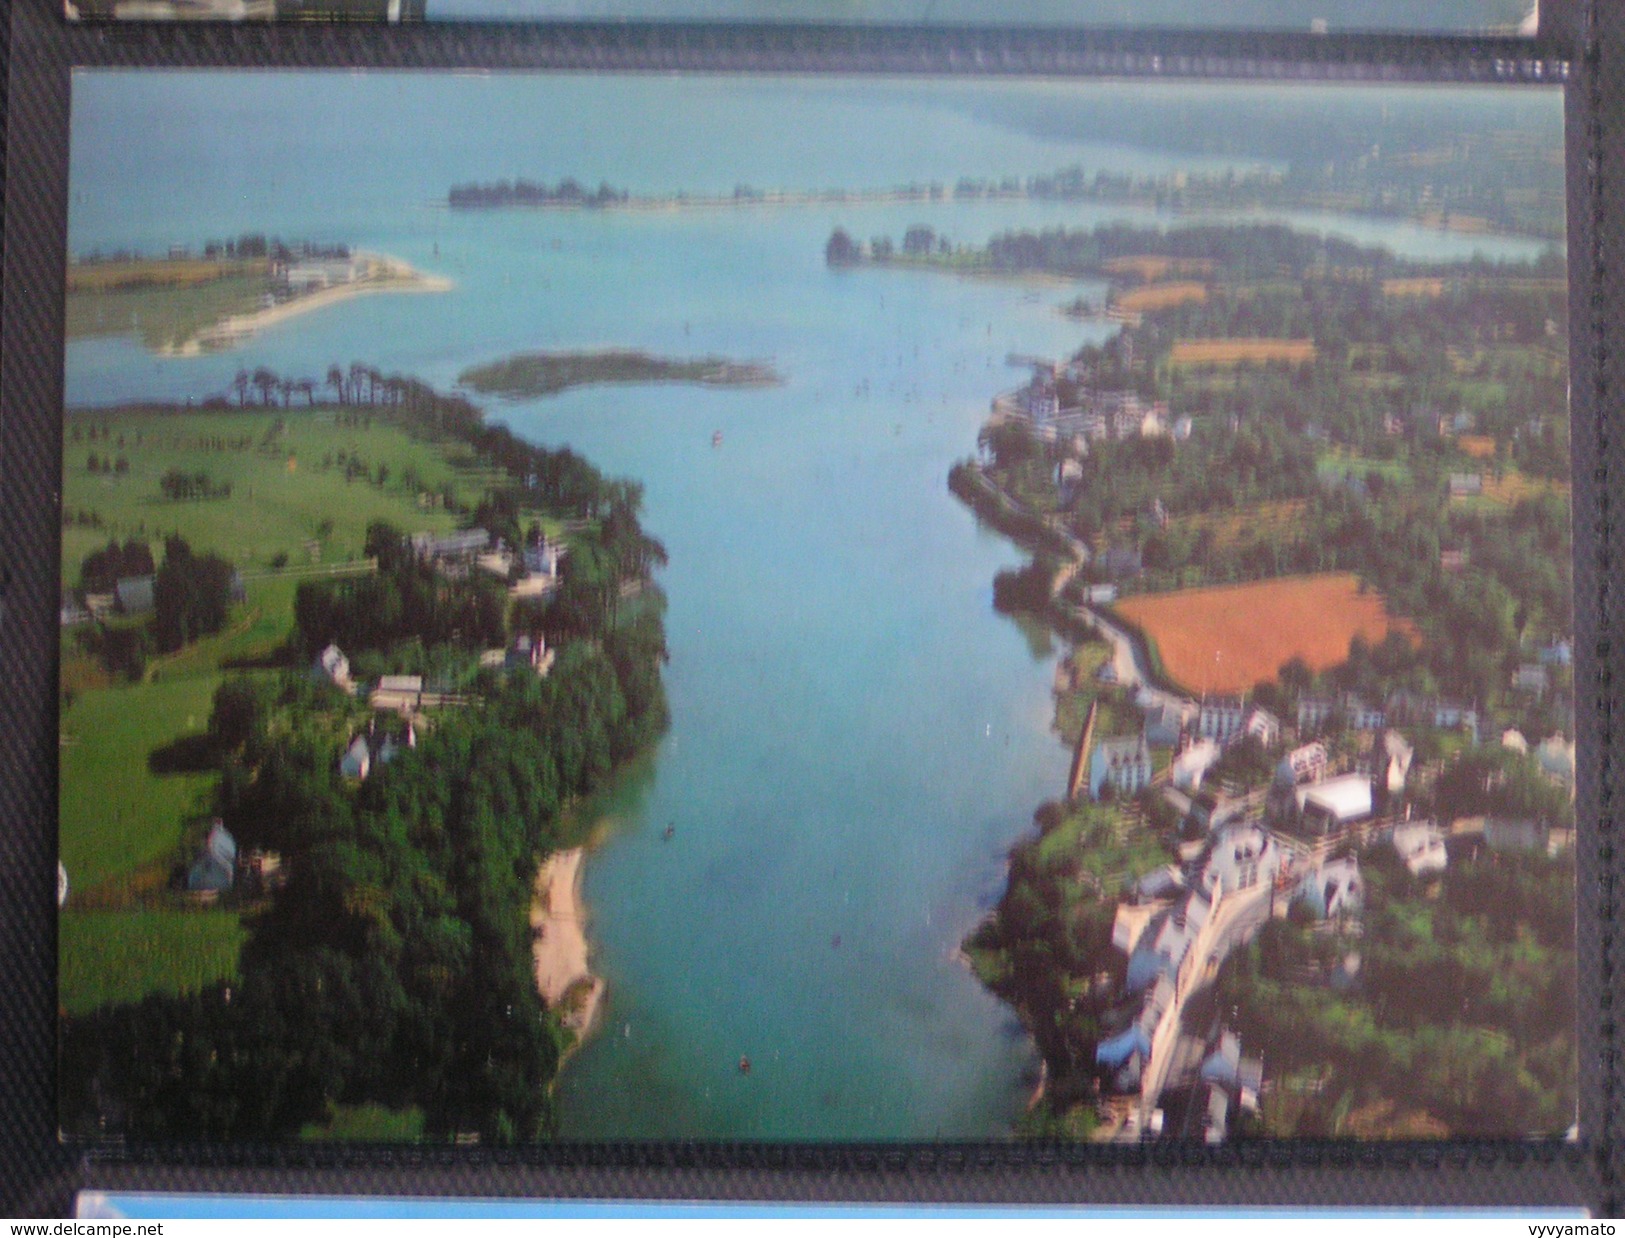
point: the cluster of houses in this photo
(1260, 852)
(302, 276)
(219, 867)
(130, 597)
(1095, 416)
(532, 571)
(397, 701)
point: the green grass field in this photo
(282, 492)
(122, 825)
(256, 631)
(1338, 462)
(116, 816)
(121, 956)
(163, 316)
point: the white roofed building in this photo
(1328, 806)
(332, 665)
(1556, 757)
(1162, 948)
(1241, 857)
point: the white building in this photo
(1221, 717)
(1242, 856)
(1314, 712)
(1420, 845)
(1334, 803)
(1123, 763)
(356, 762)
(332, 665)
(1303, 764)
(1334, 889)
(401, 693)
(1166, 942)
(1556, 757)
(1192, 765)
(1263, 726)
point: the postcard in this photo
(1496, 17)
(749, 608)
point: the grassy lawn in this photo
(116, 815)
(121, 956)
(256, 631)
(163, 315)
(1338, 462)
(283, 486)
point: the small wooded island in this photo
(528, 375)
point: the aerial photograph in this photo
(742, 608)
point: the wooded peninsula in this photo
(353, 683)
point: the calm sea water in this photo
(857, 737)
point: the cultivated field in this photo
(1150, 297)
(1230, 352)
(157, 272)
(1413, 287)
(1228, 638)
(161, 301)
(1149, 267)
(1510, 489)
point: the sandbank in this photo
(558, 927)
(379, 273)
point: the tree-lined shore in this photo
(387, 969)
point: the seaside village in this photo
(398, 704)
(1251, 848)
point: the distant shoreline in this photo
(380, 273)
(1444, 222)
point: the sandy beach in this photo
(558, 925)
(379, 273)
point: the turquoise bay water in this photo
(857, 737)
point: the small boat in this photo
(716, 438)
